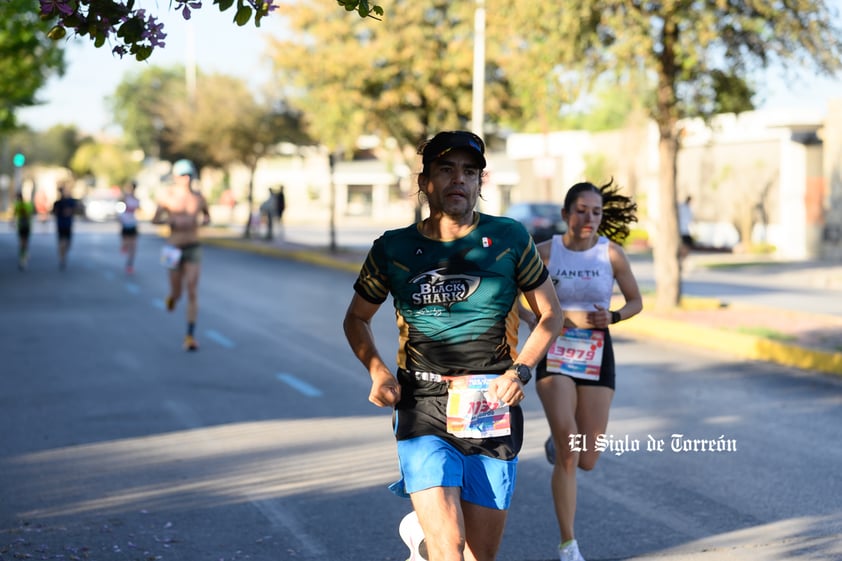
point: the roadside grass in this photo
(726, 265)
(767, 333)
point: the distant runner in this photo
(23, 212)
(128, 226)
(184, 210)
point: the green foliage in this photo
(404, 78)
(53, 147)
(598, 168)
(109, 162)
(223, 123)
(767, 333)
(137, 32)
(543, 68)
(220, 123)
(700, 55)
(363, 8)
(139, 106)
(27, 58)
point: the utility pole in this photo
(478, 99)
(332, 160)
(190, 62)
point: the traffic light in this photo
(18, 159)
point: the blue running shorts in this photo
(430, 461)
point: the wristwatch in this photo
(524, 373)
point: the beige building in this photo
(756, 179)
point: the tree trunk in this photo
(250, 199)
(666, 246)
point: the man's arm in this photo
(385, 390)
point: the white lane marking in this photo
(133, 288)
(158, 303)
(218, 337)
(298, 385)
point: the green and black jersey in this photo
(452, 300)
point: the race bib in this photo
(470, 414)
(577, 353)
(170, 256)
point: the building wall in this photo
(548, 164)
(831, 238)
(756, 173)
(734, 185)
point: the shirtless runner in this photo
(184, 210)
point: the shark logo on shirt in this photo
(451, 282)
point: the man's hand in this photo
(506, 388)
(385, 390)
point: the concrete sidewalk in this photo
(648, 324)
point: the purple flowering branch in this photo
(134, 32)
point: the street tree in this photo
(544, 69)
(139, 106)
(57, 144)
(108, 163)
(52, 147)
(224, 124)
(262, 127)
(402, 78)
(27, 58)
(199, 125)
(702, 56)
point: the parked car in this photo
(102, 205)
(541, 220)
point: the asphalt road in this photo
(116, 444)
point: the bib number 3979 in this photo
(577, 353)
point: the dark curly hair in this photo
(618, 210)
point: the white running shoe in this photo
(413, 536)
(570, 552)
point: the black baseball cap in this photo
(444, 142)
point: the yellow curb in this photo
(305, 256)
(737, 344)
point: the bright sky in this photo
(221, 46)
(93, 74)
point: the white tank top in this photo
(127, 217)
(581, 278)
